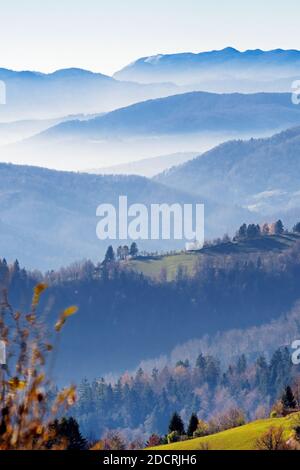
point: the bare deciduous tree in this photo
(273, 439)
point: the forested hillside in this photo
(144, 402)
(122, 311)
(260, 174)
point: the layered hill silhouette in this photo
(35, 95)
(48, 218)
(260, 174)
(178, 123)
(186, 113)
(53, 213)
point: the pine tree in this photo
(242, 233)
(278, 227)
(176, 424)
(133, 250)
(110, 255)
(288, 399)
(193, 424)
(253, 231)
(68, 429)
(4, 271)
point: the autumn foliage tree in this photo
(27, 412)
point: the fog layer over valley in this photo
(180, 123)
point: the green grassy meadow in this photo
(241, 438)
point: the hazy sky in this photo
(104, 35)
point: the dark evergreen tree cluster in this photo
(67, 430)
(123, 252)
(176, 424)
(288, 400)
(254, 230)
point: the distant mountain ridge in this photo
(36, 95)
(66, 73)
(229, 63)
(187, 113)
(14, 131)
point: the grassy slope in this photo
(152, 267)
(242, 438)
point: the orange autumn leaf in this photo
(16, 384)
(69, 311)
(65, 314)
(38, 290)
